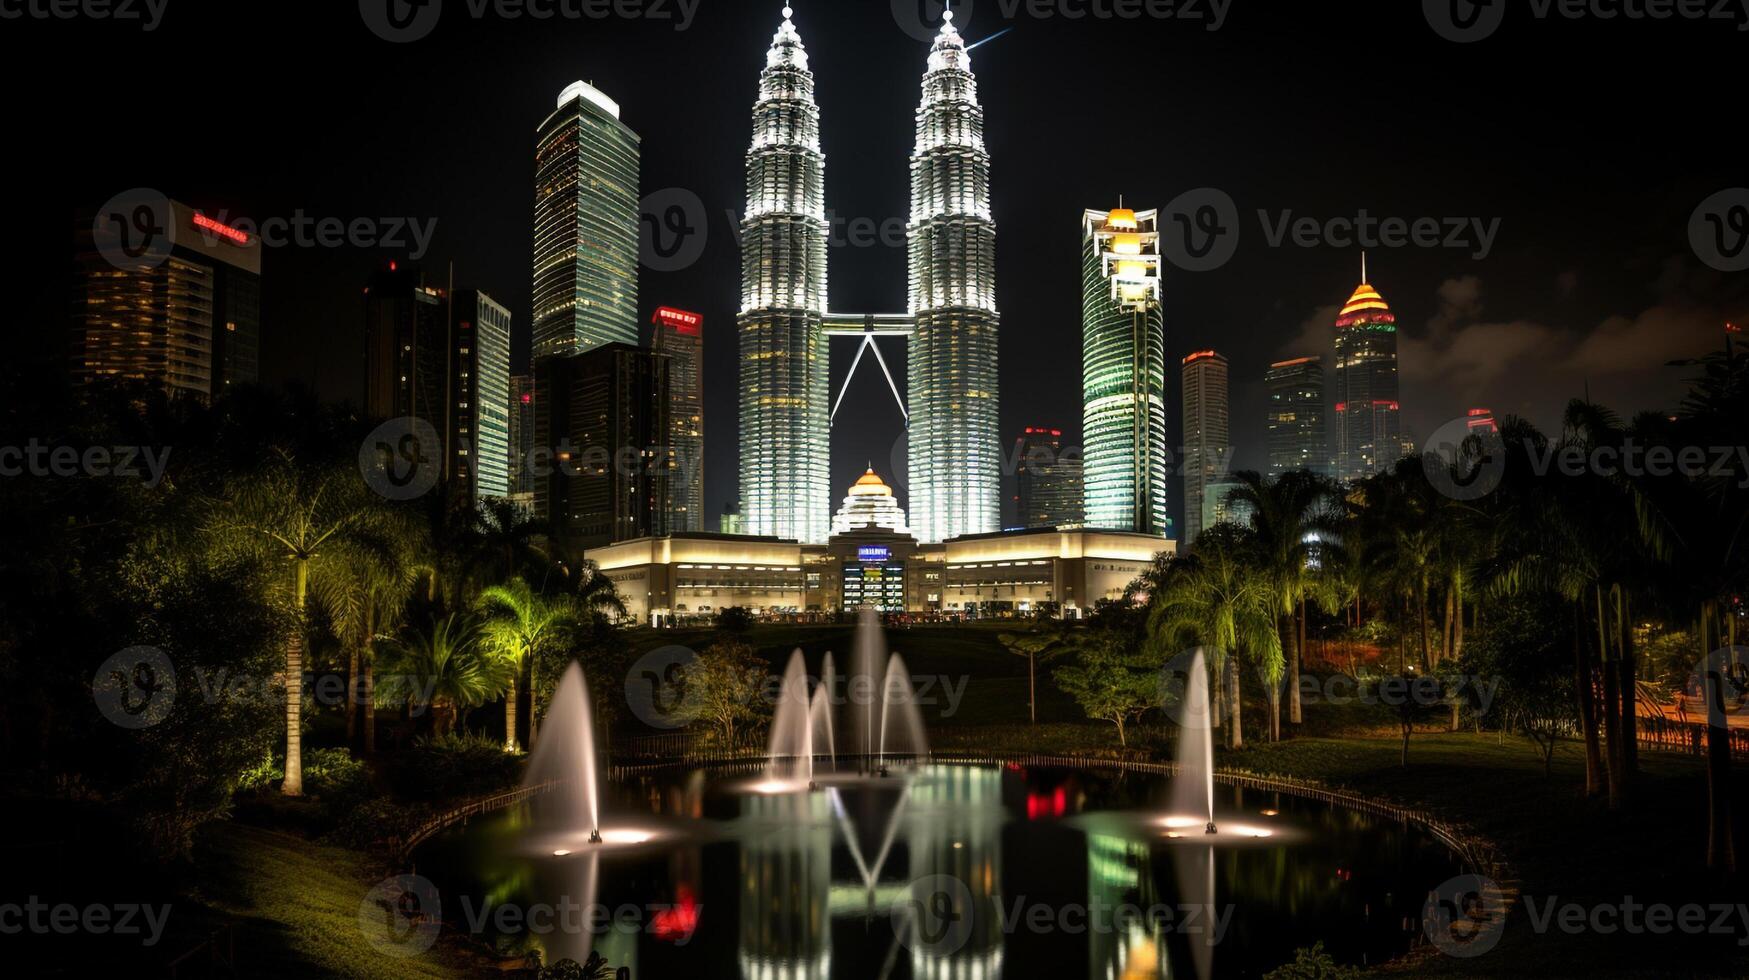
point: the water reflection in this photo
(820, 885)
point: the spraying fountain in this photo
(884, 715)
(1193, 789)
(564, 756)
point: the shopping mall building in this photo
(872, 559)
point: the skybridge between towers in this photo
(868, 326)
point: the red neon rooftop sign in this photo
(221, 229)
(681, 320)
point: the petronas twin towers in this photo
(953, 448)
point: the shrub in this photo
(1313, 964)
(455, 765)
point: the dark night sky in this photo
(1592, 142)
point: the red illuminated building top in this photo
(682, 321)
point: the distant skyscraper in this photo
(521, 434)
(1123, 371)
(954, 445)
(189, 322)
(479, 398)
(1368, 414)
(1047, 481)
(680, 335)
(1217, 509)
(585, 226)
(1296, 416)
(406, 336)
(784, 421)
(1205, 433)
(600, 418)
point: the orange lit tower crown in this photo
(1368, 411)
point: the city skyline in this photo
(1596, 300)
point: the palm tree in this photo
(366, 604)
(444, 670)
(505, 540)
(1293, 519)
(1215, 596)
(518, 624)
(320, 521)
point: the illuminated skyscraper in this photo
(954, 470)
(479, 397)
(1368, 414)
(1296, 416)
(680, 335)
(784, 419)
(186, 318)
(1047, 481)
(521, 437)
(585, 226)
(1205, 433)
(1123, 372)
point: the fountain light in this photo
(1179, 822)
(561, 852)
(622, 835)
(1270, 813)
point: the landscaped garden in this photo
(1413, 683)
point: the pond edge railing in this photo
(436, 824)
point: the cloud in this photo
(1459, 359)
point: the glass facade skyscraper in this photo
(954, 443)
(1368, 413)
(1296, 416)
(479, 393)
(1205, 434)
(1047, 481)
(1123, 372)
(784, 420)
(585, 226)
(680, 335)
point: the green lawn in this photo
(295, 908)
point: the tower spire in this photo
(1363, 267)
